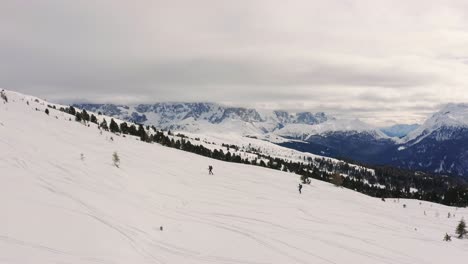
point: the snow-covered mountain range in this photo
(203, 117)
(438, 145)
(209, 117)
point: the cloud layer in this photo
(382, 61)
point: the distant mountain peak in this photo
(452, 115)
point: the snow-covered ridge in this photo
(12, 95)
(450, 116)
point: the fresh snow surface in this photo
(57, 208)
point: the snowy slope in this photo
(57, 208)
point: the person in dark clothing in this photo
(300, 188)
(210, 170)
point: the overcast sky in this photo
(381, 61)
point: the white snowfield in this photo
(58, 208)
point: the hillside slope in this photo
(57, 208)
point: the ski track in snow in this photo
(57, 208)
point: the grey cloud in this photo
(379, 61)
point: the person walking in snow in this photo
(210, 170)
(299, 188)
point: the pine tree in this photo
(177, 144)
(124, 128)
(85, 115)
(116, 159)
(113, 127)
(142, 133)
(461, 229)
(3, 96)
(72, 110)
(47, 111)
(132, 130)
(103, 125)
(93, 119)
(78, 117)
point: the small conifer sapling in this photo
(447, 237)
(116, 159)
